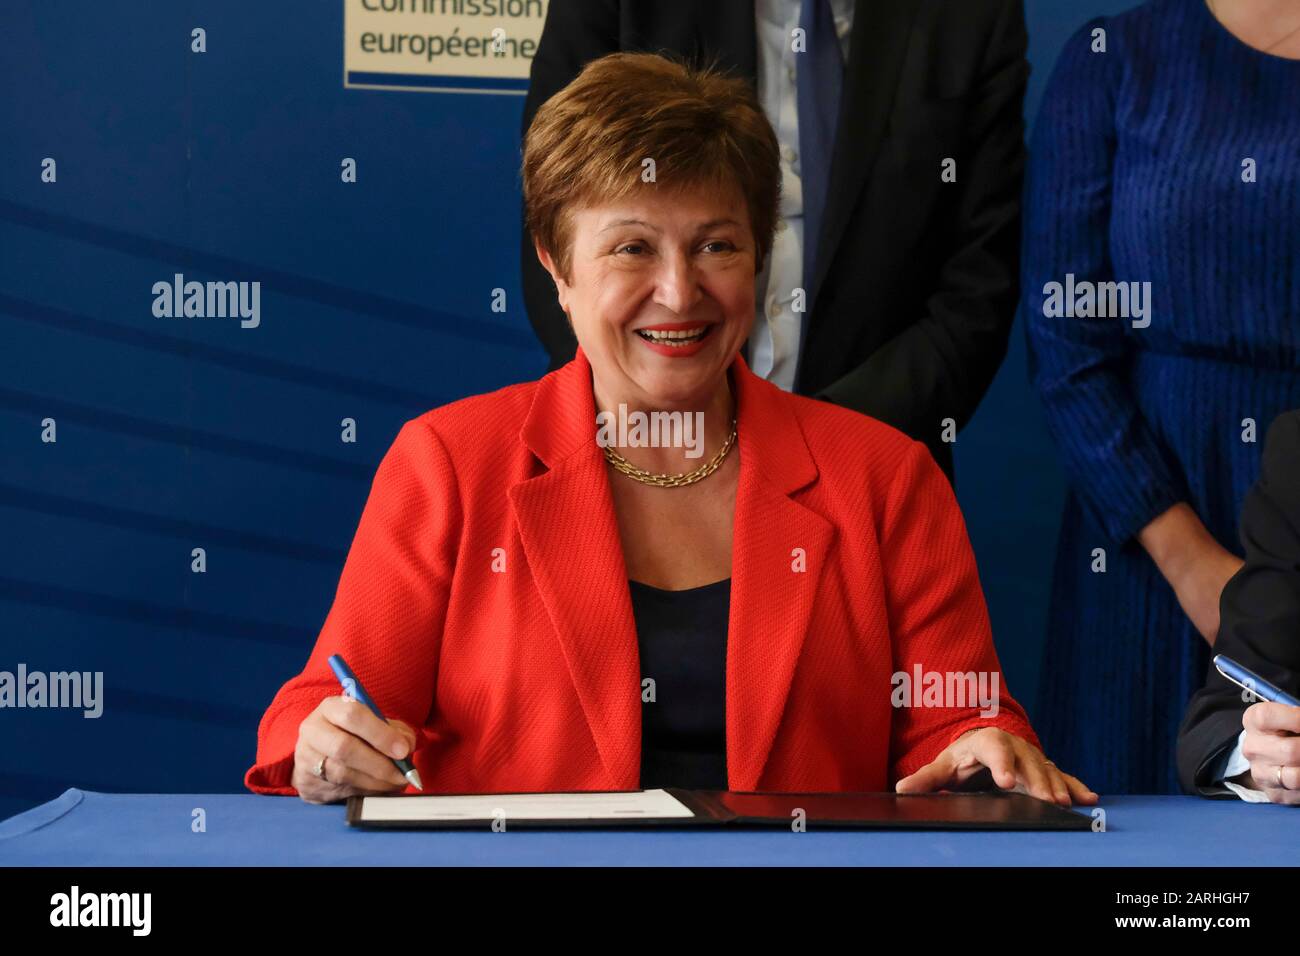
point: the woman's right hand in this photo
(356, 746)
(1272, 745)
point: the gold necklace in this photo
(671, 481)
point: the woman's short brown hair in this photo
(702, 128)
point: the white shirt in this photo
(1236, 763)
(774, 341)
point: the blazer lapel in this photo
(877, 49)
(778, 555)
(570, 535)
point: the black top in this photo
(682, 637)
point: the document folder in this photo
(994, 810)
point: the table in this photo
(85, 828)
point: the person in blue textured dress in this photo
(1161, 296)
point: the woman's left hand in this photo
(1199, 586)
(1011, 760)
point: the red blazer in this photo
(484, 601)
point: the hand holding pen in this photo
(1271, 742)
(346, 746)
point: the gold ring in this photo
(319, 769)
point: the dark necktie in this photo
(819, 82)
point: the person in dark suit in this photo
(902, 151)
(1226, 745)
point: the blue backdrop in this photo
(175, 434)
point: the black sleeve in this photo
(1259, 610)
(941, 365)
(575, 32)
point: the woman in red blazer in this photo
(512, 571)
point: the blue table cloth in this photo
(84, 828)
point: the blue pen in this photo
(352, 688)
(1251, 681)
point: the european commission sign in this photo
(441, 46)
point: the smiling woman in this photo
(638, 126)
(652, 194)
(542, 612)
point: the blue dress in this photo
(1172, 158)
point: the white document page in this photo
(646, 804)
